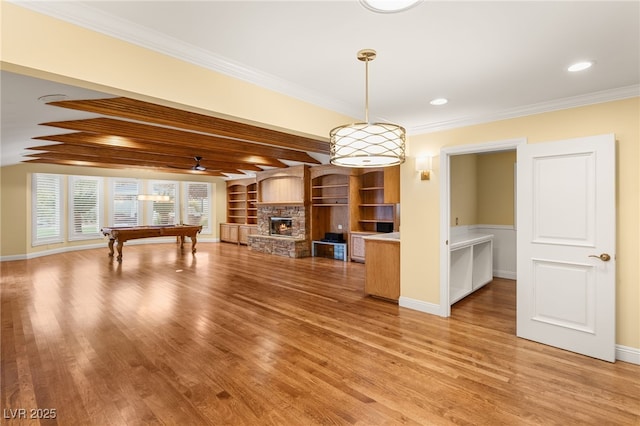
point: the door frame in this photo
(445, 205)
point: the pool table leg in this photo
(111, 241)
(181, 242)
(120, 244)
(194, 240)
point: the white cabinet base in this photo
(471, 260)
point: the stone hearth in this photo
(281, 246)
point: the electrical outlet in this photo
(456, 221)
(340, 227)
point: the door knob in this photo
(604, 257)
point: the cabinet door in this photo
(224, 232)
(243, 233)
(357, 248)
(233, 234)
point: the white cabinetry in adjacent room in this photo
(471, 264)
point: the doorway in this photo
(448, 226)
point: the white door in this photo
(566, 245)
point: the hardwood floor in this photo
(492, 306)
(230, 336)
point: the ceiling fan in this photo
(197, 166)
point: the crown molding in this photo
(539, 108)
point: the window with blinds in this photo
(125, 210)
(164, 212)
(85, 201)
(197, 208)
(47, 195)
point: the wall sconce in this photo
(423, 165)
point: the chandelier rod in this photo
(366, 55)
(366, 91)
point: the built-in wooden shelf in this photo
(343, 185)
(241, 198)
(378, 198)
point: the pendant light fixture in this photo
(367, 144)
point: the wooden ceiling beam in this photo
(133, 145)
(167, 116)
(130, 163)
(82, 163)
(114, 155)
(110, 126)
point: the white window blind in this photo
(125, 203)
(47, 208)
(85, 201)
(164, 212)
(197, 209)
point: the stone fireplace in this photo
(282, 230)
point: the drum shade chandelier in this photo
(367, 144)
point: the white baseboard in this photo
(420, 305)
(628, 354)
(509, 275)
(96, 246)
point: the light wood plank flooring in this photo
(233, 337)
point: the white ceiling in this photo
(492, 60)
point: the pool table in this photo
(122, 234)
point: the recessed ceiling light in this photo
(580, 66)
(389, 6)
(439, 101)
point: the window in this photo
(164, 212)
(125, 209)
(47, 207)
(197, 205)
(85, 201)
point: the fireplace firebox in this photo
(281, 226)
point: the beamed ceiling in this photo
(132, 133)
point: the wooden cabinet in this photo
(244, 231)
(471, 266)
(382, 267)
(236, 233)
(229, 232)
